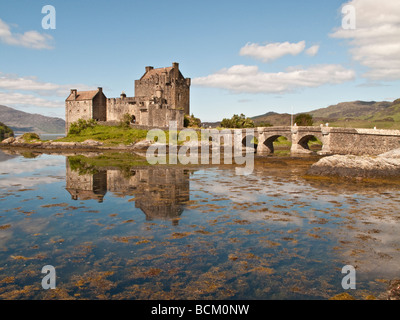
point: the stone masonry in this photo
(161, 95)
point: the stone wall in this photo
(100, 107)
(76, 110)
(181, 95)
(363, 141)
(117, 107)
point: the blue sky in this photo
(247, 57)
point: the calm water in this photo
(114, 232)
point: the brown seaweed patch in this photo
(264, 270)
(180, 235)
(55, 205)
(152, 272)
(124, 239)
(8, 280)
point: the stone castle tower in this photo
(161, 95)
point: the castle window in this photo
(179, 97)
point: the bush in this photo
(237, 122)
(30, 136)
(191, 121)
(304, 119)
(5, 132)
(78, 126)
(126, 120)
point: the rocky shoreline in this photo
(88, 145)
(386, 165)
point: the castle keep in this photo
(161, 95)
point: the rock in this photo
(8, 140)
(393, 154)
(142, 144)
(62, 144)
(385, 165)
(91, 142)
(394, 290)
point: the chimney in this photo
(148, 68)
(175, 65)
(100, 89)
(74, 93)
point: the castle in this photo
(161, 95)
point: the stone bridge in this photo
(334, 140)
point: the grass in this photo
(109, 135)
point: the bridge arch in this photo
(250, 140)
(302, 143)
(266, 141)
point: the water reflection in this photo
(109, 224)
(159, 192)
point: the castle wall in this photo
(117, 107)
(100, 107)
(181, 95)
(76, 110)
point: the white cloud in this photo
(22, 92)
(29, 39)
(272, 51)
(27, 100)
(375, 42)
(249, 79)
(312, 51)
(15, 82)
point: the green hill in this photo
(356, 114)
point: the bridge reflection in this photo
(159, 192)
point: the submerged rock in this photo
(384, 165)
(394, 290)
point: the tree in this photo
(191, 121)
(237, 122)
(304, 119)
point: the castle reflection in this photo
(159, 192)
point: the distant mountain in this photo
(273, 118)
(22, 122)
(355, 114)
